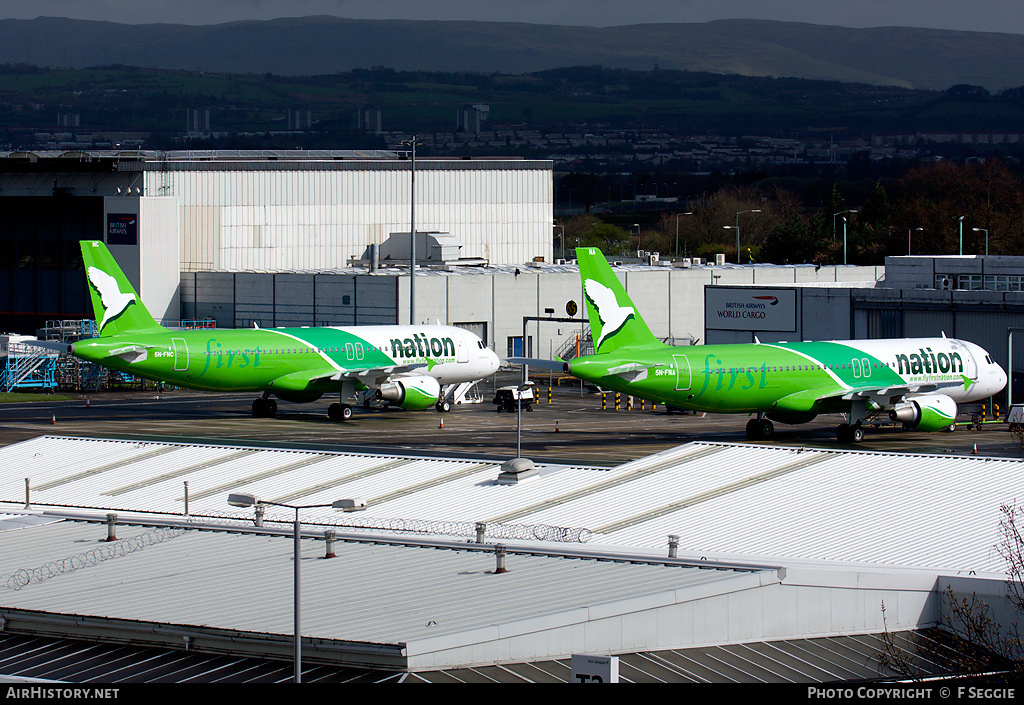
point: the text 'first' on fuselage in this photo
(405, 365)
(917, 381)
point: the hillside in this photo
(894, 56)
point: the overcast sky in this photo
(980, 15)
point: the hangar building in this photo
(172, 212)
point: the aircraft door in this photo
(683, 375)
(461, 349)
(970, 365)
(180, 354)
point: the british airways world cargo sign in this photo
(728, 308)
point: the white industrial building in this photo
(169, 213)
(736, 554)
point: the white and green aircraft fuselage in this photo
(407, 366)
(916, 381)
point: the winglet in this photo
(116, 305)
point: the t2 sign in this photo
(587, 668)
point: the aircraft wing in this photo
(887, 396)
(370, 376)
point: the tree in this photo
(972, 641)
(987, 195)
(794, 242)
(610, 239)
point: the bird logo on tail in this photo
(612, 316)
(114, 302)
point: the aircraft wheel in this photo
(766, 428)
(264, 407)
(444, 406)
(950, 428)
(753, 430)
(843, 434)
(339, 412)
(856, 434)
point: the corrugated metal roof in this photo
(372, 597)
(733, 502)
(821, 660)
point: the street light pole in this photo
(411, 143)
(962, 234)
(843, 213)
(345, 505)
(755, 210)
(983, 230)
(909, 231)
(677, 231)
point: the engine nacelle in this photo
(411, 392)
(935, 412)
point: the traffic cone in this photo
(53, 419)
(87, 403)
(441, 425)
(975, 451)
(556, 427)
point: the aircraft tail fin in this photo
(614, 319)
(115, 303)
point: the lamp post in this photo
(843, 213)
(909, 231)
(561, 239)
(411, 143)
(727, 227)
(962, 234)
(983, 230)
(344, 505)
(677, 230)
(637, 226)
(519, 414)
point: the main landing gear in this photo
(264, 407)
(849, 433)
(339, 412)
(760, 429)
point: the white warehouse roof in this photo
(731, 502)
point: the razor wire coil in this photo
(115, 549)
(494, 530)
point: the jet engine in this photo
(935, 412)
(410, 392)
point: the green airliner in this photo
(916, 381)
(404, 366)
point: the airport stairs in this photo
(464, 393)
(577, 345)
(28, 367)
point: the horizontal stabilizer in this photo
(556, 365)
(49, 345)
(131, 353)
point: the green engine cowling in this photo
(934, 412)
(419, 392)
